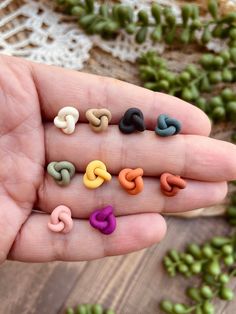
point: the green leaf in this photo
(143, 17)
(232, 52)
(156, 12)
(141, 35)
(226, 294)
(166, 306)
(89, 5)
(206, 36)
(115, 13)
(201, 103)
(125, 15)
(174, 255)
(196, 268)
(195, 250)
(171, 20)
(206, 292)
(81, 309)
(207, 60)
(179, 309)
(213, 8)
(194, 294)
(217, 30)
(218, 114)
(207, 251)
(70, 310)
(205, 85)
(229, 260)
(156, 35)
(186, 12)
(214, 102)
(224, 278)
(110, 29)
(208, 308)
(99, 27)
(97, 309)
(185, 36)
(131, 28)
(86, 20)
(218, 242)
(77, 11)
(232, 33)
(230, 18)
(214, 268)
(196, 24)
(231, 210)
(182, 268)
(104, 10)
(195, 12)
(215, 77)
(109, 311)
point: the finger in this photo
(11, 219)
(36, 243)
(59, 87)
(191, 156)
(83, 201)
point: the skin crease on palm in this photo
(30, 97)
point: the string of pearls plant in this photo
(89, 309)
(214, 262)
(195, 82)
(160, 23)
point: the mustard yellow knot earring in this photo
(98, 119)
(95, 175)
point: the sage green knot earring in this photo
(62, 171)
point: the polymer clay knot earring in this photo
(103, 220)
(95, 175)
(98, 119)
(132, 120)
(66, 119)
(131, 180)
(171, 184)
(167, 126)
(60, 220)
(62, 171)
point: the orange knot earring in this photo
(131, 180)
(171, 184)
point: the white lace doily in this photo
(35, 31)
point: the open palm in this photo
(30, 97)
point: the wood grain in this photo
(131, 284)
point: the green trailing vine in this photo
(160, 24)
(196, 81)
(89, 309)
(214, 262)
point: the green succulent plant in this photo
(196, 81)
(89, 309)
(159, 23)
(213, 262)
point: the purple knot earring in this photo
(103, 220)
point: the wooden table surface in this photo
(131, 284)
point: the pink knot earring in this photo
(103, 220)
(60, 220)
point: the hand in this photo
(30, 97)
